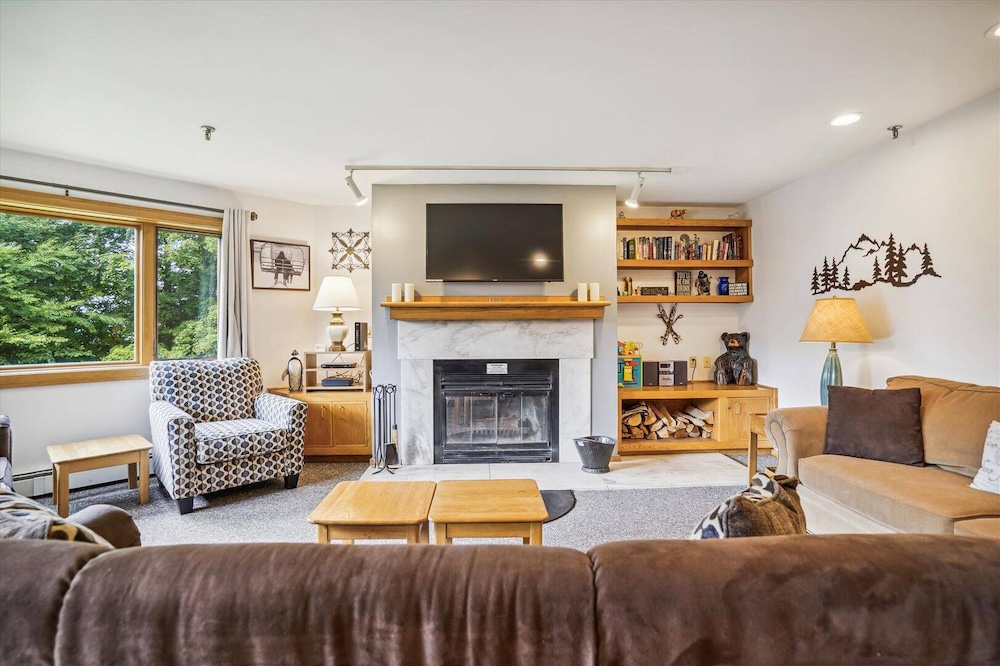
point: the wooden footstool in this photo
(131, 450)
(374, 510)
(488, 508)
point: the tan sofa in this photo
(841, 494)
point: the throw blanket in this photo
(22, 518)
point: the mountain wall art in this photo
(868, 262)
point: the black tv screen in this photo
(495, 242)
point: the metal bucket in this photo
(595, 452)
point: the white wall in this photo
(938, 184)
(282, 321)
(703, 323)
(399, 234)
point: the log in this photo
(695, 420)
(636, 409)
(658, 425)
(652, 435)
(706, 434)
(650, 419)
(680, 433)
(694, 433)
(708, 428)
(636, 433)
(697, 412)
(633, 420)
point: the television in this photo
(494, 243)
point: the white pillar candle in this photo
(595, 291)
(397, 292)
(581, 291)
(408, 292)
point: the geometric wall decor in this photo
(351, 250)
(867, 262)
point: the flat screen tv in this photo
(494, 242)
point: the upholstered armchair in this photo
(214, 428)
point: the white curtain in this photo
(234, 285)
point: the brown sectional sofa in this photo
(840, 599)
(841, 494)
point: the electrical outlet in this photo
(706, 361)
(693, 362)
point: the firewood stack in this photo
(649, 421)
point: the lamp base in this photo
(337, 332)
(831, 375)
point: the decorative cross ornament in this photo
(351, 250)
(670, 320)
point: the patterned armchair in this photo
(214, 428)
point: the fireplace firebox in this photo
(496, 411)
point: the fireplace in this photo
(496, 411)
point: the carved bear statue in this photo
(735, 366)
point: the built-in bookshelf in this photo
(347, 371)
(718, 247)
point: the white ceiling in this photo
(739, 93)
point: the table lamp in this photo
(834, 320)
(337, 295)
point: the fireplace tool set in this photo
(386, 436)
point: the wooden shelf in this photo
(685, 299)
(683, 264)
(651, 223)
(478, 308)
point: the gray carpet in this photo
(266, 512)
(763, 460)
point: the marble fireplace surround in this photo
(420, 343)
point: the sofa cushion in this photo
(113, 524)
(36, 578)
(982, 527)
(833, 599)
(956, 428)
(769, 507)
(906, 498)
(877, 425)
(219, 441)
(332, 604)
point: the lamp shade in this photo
(836, 320)
(337, 294)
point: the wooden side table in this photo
(131, 450)
(488, 508)
(374, 510)
(756, 430)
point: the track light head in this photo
(359, 199)
(633, 200)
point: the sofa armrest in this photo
(796, 433)
(112, 524)
(174, 450)
(285, 412)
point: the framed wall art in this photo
(279, 265)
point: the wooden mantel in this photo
(430, 308)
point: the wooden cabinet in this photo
(338, 423)
(738, 270)
(732, 407)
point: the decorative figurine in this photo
(735, 365)
(704, 284)
(670, 320)
(678, 214)
(293, 370)
(723, 285)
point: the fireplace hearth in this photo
(492, 411)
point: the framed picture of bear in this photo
(279, 265)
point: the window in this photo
(186, 289)
(67, 289)
(93, 291)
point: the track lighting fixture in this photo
(359, 199)
(633, 200)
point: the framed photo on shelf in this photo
(279, 265)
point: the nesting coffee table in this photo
(374, 510)
(488, 508)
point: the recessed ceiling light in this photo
(846, 119)
(993, 32)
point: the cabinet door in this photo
(319, 430)
(738, 416)
(351, 425)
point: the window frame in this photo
(146, 222)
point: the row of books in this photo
(728, 247)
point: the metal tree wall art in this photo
(886, 261)
(351, 250)
(669, 320)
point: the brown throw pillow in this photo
(769, 507)
(877, 425)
